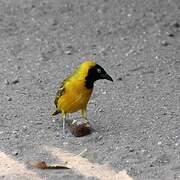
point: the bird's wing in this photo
(61, 89)
(60, 92)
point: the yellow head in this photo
(85, 66)
(90, 72)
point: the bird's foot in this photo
(74, 121)
(53, 119)
(64, 136)
(85, 120)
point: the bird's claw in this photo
(74, 121)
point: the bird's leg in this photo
(53, 119)
(84, 114)
(63, 118)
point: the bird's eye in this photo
(99, 70)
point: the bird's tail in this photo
(56, 112)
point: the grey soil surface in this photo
(136, 118)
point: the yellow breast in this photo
(75, 97)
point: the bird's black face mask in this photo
(96, 73)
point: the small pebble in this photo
(33, 6)
(57, 134)
(65, 143)
(68, 52)
(15, 81)
(17, 67)
(80, 129)
(149, 156)
(53, 119)
(170, 34)
(100, 137)
(100, 110)
(24, 128)
(55, 22)
(108, 129)
(176, 144)
(9, 98)
(176, 25)
(16, 135)
(69, 47)
(15, 152)
(127, 147)
(164, 43)
(119, 79)
(159, 143)
(104, 92)
(15, 131)
(143, 151)
(6, 82)
(38, 123)
(131, 150)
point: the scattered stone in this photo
(57, 134)
(9, 98)
(161, 160)
(164, 43)
(108, 128)
(33, 6)
(102, 50)
(176, 25)
(170, 34)
(69, 46)
(55, 22)
(149, 155)
(69, 50)
(38, 123)
(15, 152)
(20, 59)
(16, 135)
(98, 32)
(119, 79)
(45, 56)
(15, 131)
(104, 92)
(100, 110)
(17, 67)
(131, 150)
(6, 82)
(65, 143)
(100, 137)
(80, 128)
(159, 143)
(176, 144)
(15, 81)
(24, 128)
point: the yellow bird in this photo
(75, 91)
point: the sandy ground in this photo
(136, 118)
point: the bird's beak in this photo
(106, 76)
